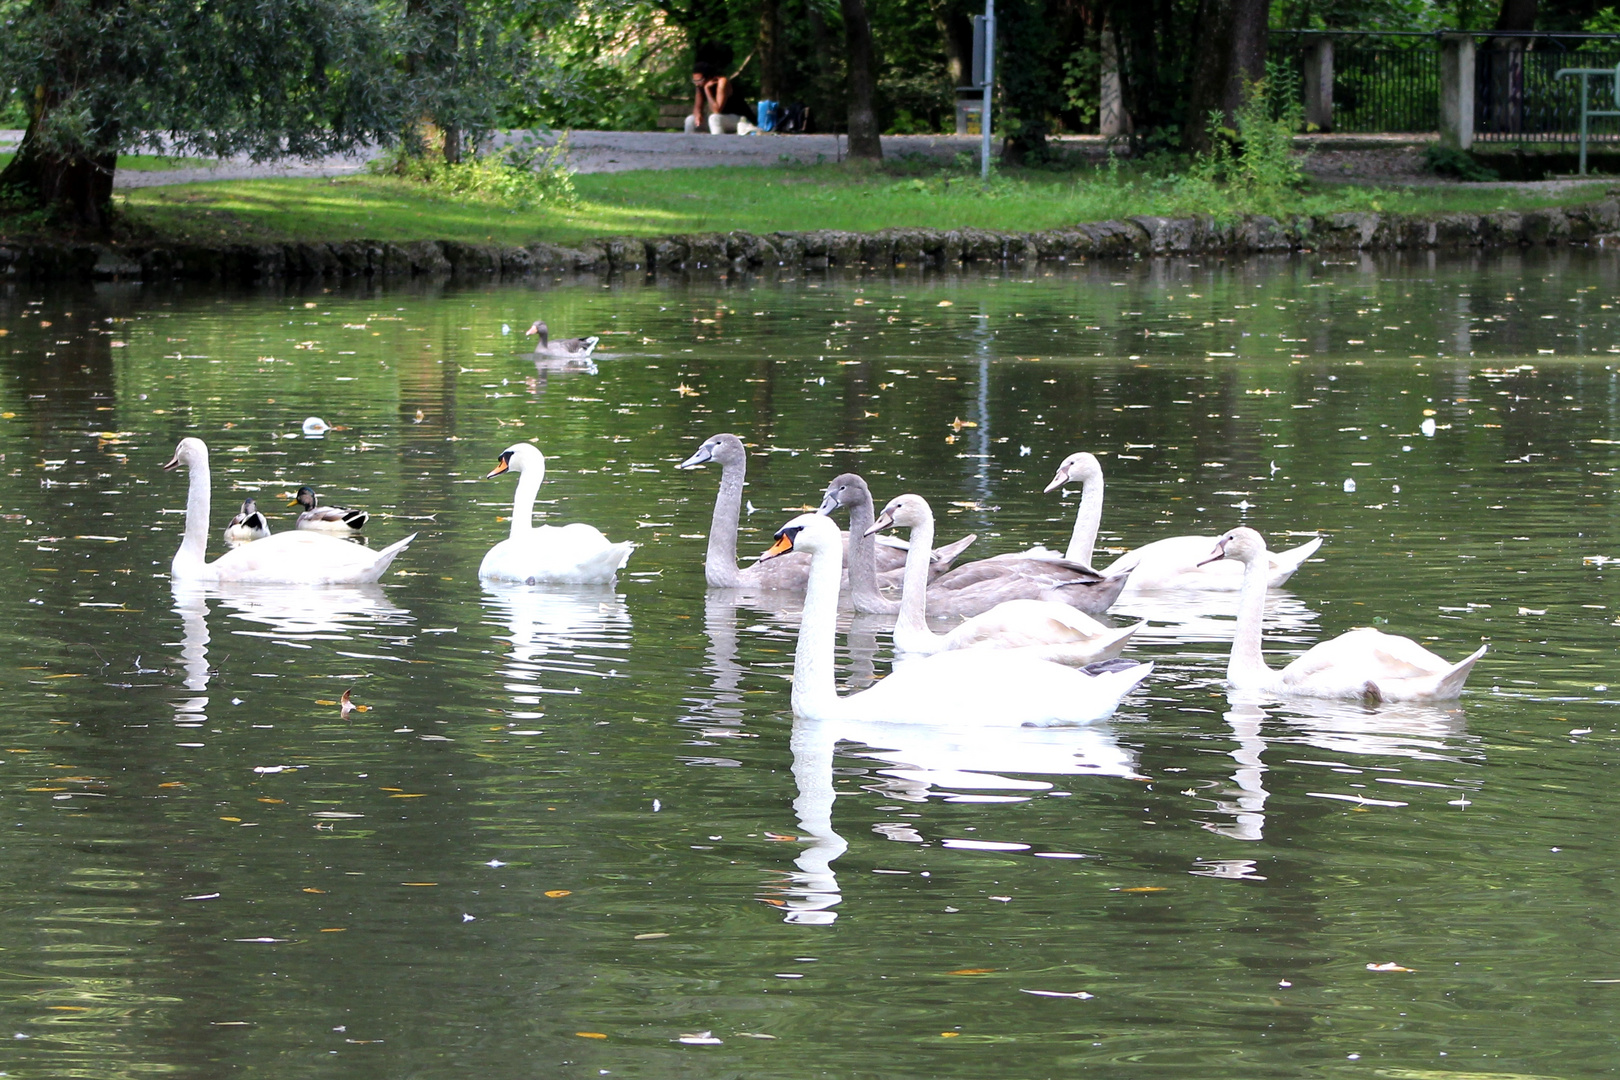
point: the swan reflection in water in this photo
(1391, 732)
(295, 614)
(558, 631)
(1193, 617)
(957, 762)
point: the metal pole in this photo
(989, 84)
(1583, 125)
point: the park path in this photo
(1374, 160)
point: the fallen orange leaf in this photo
(971, 971)
(590, 1034)
(554, 893)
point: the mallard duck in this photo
(550, 554)
(1363, 664)
(248, 525)
(333, 519)
(289, 558)
(567, 348)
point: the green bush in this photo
(1449, 161)
(518, 177)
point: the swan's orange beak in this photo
(500, 466)
(783, 545)
(884, 520)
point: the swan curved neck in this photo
(1087, 520)
(911, 632)
(523, 502)
(815, 693)
(863, 588)
(720, 563)
(193, 553)
(1247, 664)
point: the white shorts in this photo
(723, 124)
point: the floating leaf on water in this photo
(590, 1035)
(314, 890)
(202, 896)
(700, 1038)
(554, 893)
(649, 937)
(1079, 995)
(1391, 966)
(971, 971)
(1143, 888)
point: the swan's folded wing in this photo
(1367, 654)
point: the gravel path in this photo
(1385, 160)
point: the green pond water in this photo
(574, 833)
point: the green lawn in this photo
(756, 199)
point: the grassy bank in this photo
(755, 199)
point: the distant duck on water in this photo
(567, 348)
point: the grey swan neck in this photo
(720, 562)
(815, 693)
(1087, 521)
(1247, 665)
(912, 625)
(864, 596)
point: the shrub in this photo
(1449, 161)
(518, 176)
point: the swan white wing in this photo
(303, 558)
(1369, 654)
(574, 553)
(1173, 563)
(1017, 623)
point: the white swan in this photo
(1043, 628)
(1365, 663)
(290, 558)
(567, 349)
(575, 554)
(987, 686)
(248, 525)
(339, 520)
(1174, 563)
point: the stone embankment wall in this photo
(1137, 237)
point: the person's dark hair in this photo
(705, 69)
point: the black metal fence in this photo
(1389, 82)
(1519, 98)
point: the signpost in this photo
(984, 75)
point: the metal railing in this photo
(1519, 98)
(1389, 81)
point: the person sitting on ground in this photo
(719, 98)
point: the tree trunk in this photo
(770, 50)
(74, 186)
(863, 128)
(1234, 36)
(956, 39)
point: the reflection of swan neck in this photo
(1247, 665)
(814, 691)
(912, 623)
(720, 563)
(1087, 518)
(534, 471)
(194, 547)
(816, 889)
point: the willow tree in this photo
(266, 78)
